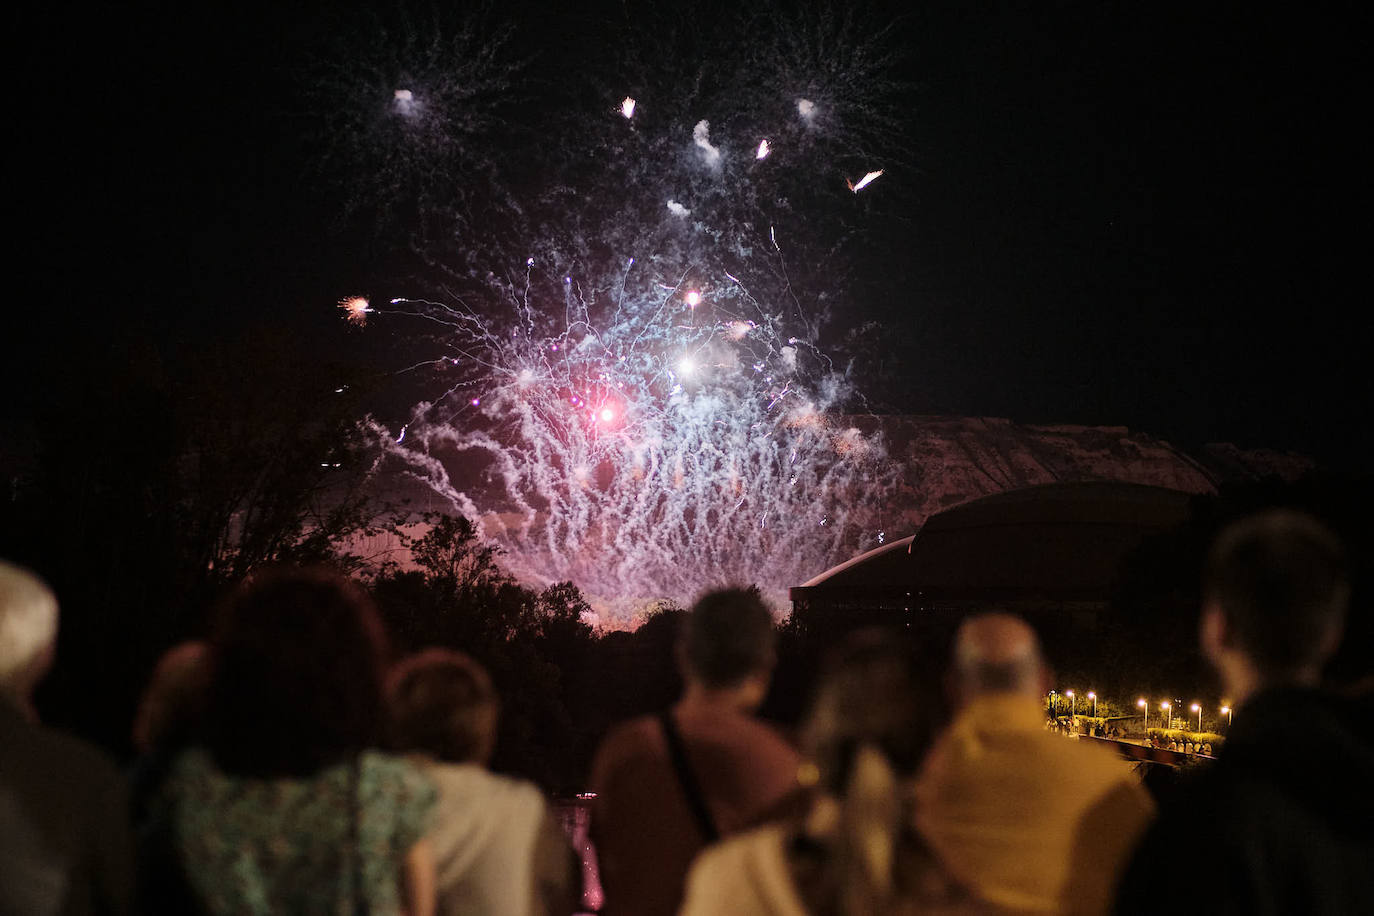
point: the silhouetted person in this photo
(1030, 822)
(65, 846)
(1283, 821)
(667, 785)
(288, 807)
(497, 849)
(854, 850)
(171, 706)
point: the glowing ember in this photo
(356, 309)
(864, 182)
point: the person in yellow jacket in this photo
(1028, 821)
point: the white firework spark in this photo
(864, 182)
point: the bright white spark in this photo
(686, 366)
(607, 415)
(627, 107)
(865, 181)
(678, 209)
(807, 109)
(764, 150)
(701, 136)
(693, 298)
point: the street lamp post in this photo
(1092, 696)
(1073, 703)
(1198, 709)
(1168, 709)
(1145, 705)
(1227, 710)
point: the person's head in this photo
(174, 698)
(296, 683)
(443, 704)
(28, 631)
(728, 644)
(1274, 593)
(997, 653)
(871, 695)
(865, 738)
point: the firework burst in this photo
(639, 401)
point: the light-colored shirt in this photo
(748, 873)
(485, 838)
(1029, 820)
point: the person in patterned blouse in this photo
(285, 806)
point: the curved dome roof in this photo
(1056, 542)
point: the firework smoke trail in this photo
(619, 467)
(643, 406)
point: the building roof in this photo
(1055, 542)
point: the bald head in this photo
(998, 653)
(28, 629)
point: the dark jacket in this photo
(1283, 822)
(64, 833)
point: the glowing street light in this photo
(1073, 703)
(1167, 708)
(1197, 709)
(1145, 705)
(1227, 711)
(1092, 696)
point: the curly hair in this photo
(297, 659)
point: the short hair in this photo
(296, 675)
(28, 623)
(442, 703)
(872, 693)
(1279, 578)
(997, 652)
(729, 636)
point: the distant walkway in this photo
(1134, 751)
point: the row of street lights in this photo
(1168, 709)
(1073, 702)
(1165, 707)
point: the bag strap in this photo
(355, 864)
(687, 779)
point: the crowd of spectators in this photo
(285, 767)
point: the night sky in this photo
(1128, 214)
